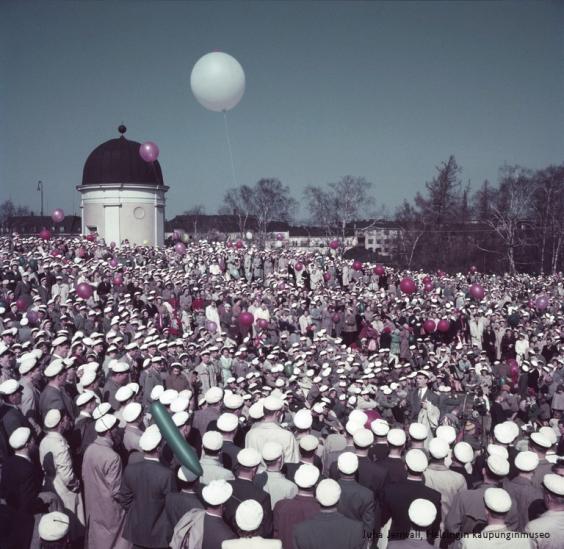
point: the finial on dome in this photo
(122, 129)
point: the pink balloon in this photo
(84, 290)
(279, 236)
(45, 234)
(118, 280)
(298, 266)
(91, 237)
(428, 287)
(379, 270)
(113, 263)
(473, 269)
(357, 265)
(239, 244)
(211, 326)
(81, 252)
(21, 304)
(327, 277)
(429, 326)
(334, 244)
(179, 248)
(443, 325)
(408, 286)
(33, 316)
(476, 291)
(427, 280)
(262, 323)
(58, 215)
(246, 319)
(149, 151)
(541, 303)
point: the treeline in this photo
(513, 225)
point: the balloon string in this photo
(230, 149)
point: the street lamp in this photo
(40, 189)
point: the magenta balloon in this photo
(473, 269)
(149, 151)
(179, 248)
(113, 263)
(428, 287)
(298, 266)
(84, 290)
(211, 326)
(262, 323)
(427, 280)
(279, 236)
(239, 244)
(33, 316)
(443, 325)
(334, 244)
(58, 215)
(541, 303)
(429, 326)
(21, 304)
(357, 265)
(327, 277)
(408, 286)
(246, 319)
(118, 280)
(379, 270)
(476, 291)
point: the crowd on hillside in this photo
(329, 409)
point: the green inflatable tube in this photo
(181, 449)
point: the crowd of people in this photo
(326, 410)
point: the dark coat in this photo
(246, 489)
(329, 530)
(414, 402)
(290, 512)
(216, 531)
(357, 503)
(145, 485)
(395, 468)
(398, 496)
(52, 398)
(20, 487)
(179, 503)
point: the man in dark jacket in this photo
(329, 529)
(244, 488)
(145, 486)
(20, 487)
(179, 503)
(216, 530)
(399, 495)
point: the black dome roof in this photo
(118, 161)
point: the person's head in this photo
(248, 518)
(22, 442)
(396, 440)
(56, 421)
(416, 463)
(212, 442)
(498, 503)
(539, 444)
(422, 513)
(187, 480)
(107, 427)
(273, 456)
(53, 531)
(328, 493)
(273, 408)
(11, 392)
(421, 380)
(215, 494)
(150, 441)
(496, 469)
(248, 461)
(553, 487)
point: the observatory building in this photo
(122, 196)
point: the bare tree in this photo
(511, 210)
(271, 201)
(237, 201)
(412, 228)
(195, 212)
(340, 203)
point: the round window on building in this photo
(139, 212)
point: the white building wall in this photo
(125, 212)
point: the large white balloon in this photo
(218, 81)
